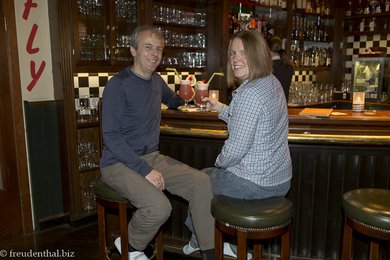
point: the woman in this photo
(255, 160)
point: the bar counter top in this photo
(341, 127)
(330, 156)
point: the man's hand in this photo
(156, 178)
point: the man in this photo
(131, 163)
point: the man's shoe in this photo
(188, 249)
(227, 250)
(136, 255)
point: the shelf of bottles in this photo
(184, 30)
(311, 44)
(367, 17)
(265, 16)
(310, 41)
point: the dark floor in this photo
(69, 242)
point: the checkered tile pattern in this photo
(358, 44)
(92, 84)
(304, 75)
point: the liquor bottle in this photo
(305, 57)
(301, 29)
(270, 29)
(348, 9)
(387, 6)
(372, 24)
(309, 7)
(273, 2)
(359, 8)
(294, 29)
(362, 25)
(329, 57)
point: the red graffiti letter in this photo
(30, 40)
(27, 6)
(35, 75)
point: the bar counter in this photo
(330, 156)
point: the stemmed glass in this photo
(186, 92)
(84, 107)
(201, 91)
(78, 108)
(93, 104)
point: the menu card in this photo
(317, 112)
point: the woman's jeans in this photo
(226, 183)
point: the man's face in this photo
(148, 55)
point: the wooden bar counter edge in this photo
(341, 127)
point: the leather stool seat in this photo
(104, 191)
(252, 219)
(367, 211)
(369, 206)
(106, 197)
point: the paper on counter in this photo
(338, 114)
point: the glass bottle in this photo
(348, 9)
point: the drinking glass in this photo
(186, 92)
(84, 107)
(201, 91)
(93, 104)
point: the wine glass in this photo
(78, 108)
(201, 91)
(186, 92)
(84, 107)
(93, 104)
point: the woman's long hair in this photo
(258, 57)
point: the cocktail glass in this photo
(201, 92)
(186, 92)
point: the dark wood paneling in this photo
(321, 174)
(44, 124)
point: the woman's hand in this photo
(213, 104)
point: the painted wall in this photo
(33, 33)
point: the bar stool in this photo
(252, 219)
(367, 211)
(108, 198)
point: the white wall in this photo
(39, 17)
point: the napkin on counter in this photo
(188, 109)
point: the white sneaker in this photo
(227, 250)
(136, 255)
(188, 249)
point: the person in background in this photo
(282, 67)
(131, 163)
(255, 161)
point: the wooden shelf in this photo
(358, 17)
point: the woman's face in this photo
(237, 60)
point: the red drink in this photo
(201, 91)
(186, 92)
(199, 95)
